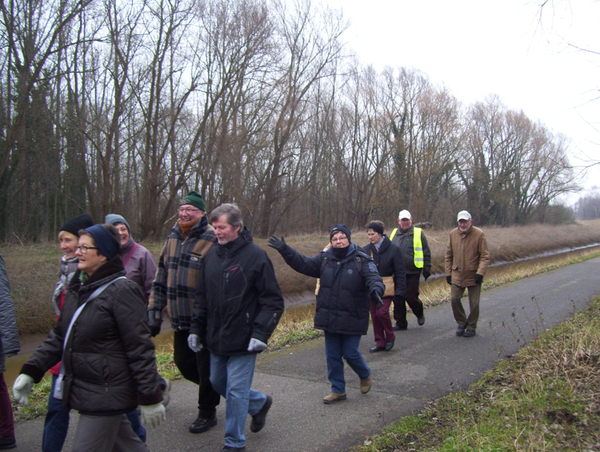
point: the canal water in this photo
(302, 306)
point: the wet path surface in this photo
(426, 363)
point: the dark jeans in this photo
(195, 367)
(56, 424)
(7, 423)
(412, 298)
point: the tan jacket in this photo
(466, 255)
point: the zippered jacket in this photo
(108, 360)
(466, 255)
(406, 244)
(9, 337)
(238, 297)
(389, 263)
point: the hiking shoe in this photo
(460, 330)
(377, 348)
(233, 449)
(365, 384)
(421, 320)
(399, 328)
(7, 442)
(469, 332)
(200, 425)
(165, 385)
(334, 397)
(259, 419)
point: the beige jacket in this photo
(466, 255)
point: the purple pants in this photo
(7, 422)
(382, 323)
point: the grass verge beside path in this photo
(545, 398)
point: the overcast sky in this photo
(480, 47)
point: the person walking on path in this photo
(388, 260)
(238, 305)
(417, 258)
(467, 259)
(9, 346)
(174, 288)
(349, 281)
(108, 364)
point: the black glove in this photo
(377, 299)
(478, 279)
(449, 279)
(154, 321)
(274, 242)
(426, 273)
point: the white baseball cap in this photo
(404, 215)
(463, 215)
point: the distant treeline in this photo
(125, 106)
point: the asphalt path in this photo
(426, 363)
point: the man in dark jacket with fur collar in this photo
(238, 305)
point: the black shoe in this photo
(233, 449)
(469, 332)
(259, 419)
(200, 425)
(377, 348)
(7, 442)
(460, 330)
(400, 328)
(421, 320)
(389, 345)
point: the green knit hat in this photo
(195, 199)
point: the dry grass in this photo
(33, 269)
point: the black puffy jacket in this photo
(343, 301)
(238, 297)
(109, 360)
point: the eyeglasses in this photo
(187, 210)
(83, 249)
(339, 239)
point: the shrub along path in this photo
(427, 362)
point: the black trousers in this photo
(412, 298)
(196, 367)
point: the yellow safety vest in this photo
(419, 258)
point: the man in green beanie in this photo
(174, 288)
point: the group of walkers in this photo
(223, 301)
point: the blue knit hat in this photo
(339, 228)
(115, 218)
(108, 245)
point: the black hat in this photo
(339, 228)
(73, 225)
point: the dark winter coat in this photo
(404, 241)
(389, 263)
(139, 266)
(9, 337)
(343, 301)
(179, 268)
(238, 297)
(109, 360)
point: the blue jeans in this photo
(231, 376)
(338, 346)
(56, 424)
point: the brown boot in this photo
(334, 397)
(365, 384)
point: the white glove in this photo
(22, 388)
(153, 415)
(256, 346)
(194, 343)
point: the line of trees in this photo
(125, 105)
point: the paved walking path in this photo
(427, 362)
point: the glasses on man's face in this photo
(84, 248)
(187, 210)
(339, 239)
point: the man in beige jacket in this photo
(467, 259)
